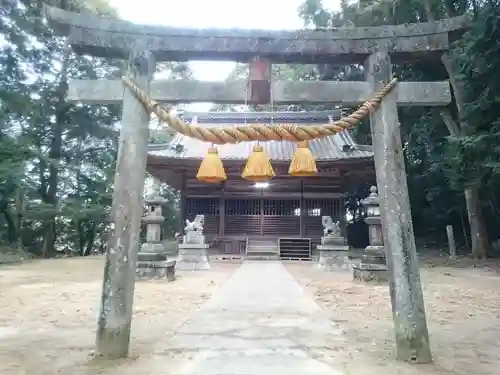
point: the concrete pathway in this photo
(260, 322)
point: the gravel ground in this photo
(49, 313)
(462, 303)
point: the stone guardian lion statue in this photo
(330, 228)
(196, 225)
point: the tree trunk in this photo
(11, 226)
(19, 216)
(49, 240)
(13, 230)
(463, 221)
(81, 237)
(91, 233)
(479, 238)
(61, 109)
(478, 233)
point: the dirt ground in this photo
(49, 311)
(462, 303)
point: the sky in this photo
(222, 14)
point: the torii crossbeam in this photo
(282, 92)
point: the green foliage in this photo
(57, 160)
(438, 166)
(478, 54)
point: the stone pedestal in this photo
(193, 257)
(155, 266)
(373, 267)
(193, 238)
(333, 257)
(333, 252)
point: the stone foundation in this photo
(156, 269)
(193, 257)
(376, 275)
(333, 258)
(373, 266)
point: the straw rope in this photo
(259, 132)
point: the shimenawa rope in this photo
(259, 132)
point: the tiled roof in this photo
(337, 147)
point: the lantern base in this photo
(373, 266)
(371, 275)
(154, 266)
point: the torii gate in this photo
(373, 46)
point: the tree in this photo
(67, 150)
(459, 129)
(437, 157)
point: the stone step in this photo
(252, 246)
(263, 250)
(262, 257)
(270, 252)
(263, 247)
(262, 244)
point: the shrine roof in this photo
(337, 147)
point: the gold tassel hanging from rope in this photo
(211, 168)
(258, 167)
(303, 163)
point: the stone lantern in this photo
(373, 265)
(153, 220)
(152, 259)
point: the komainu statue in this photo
(330, 228)
(196, 225)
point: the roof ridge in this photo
(334, 147)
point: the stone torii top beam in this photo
(97, 36)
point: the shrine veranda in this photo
(374, 47)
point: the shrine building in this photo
(240, 213)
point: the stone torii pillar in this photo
(412, 337)
(115, 315)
